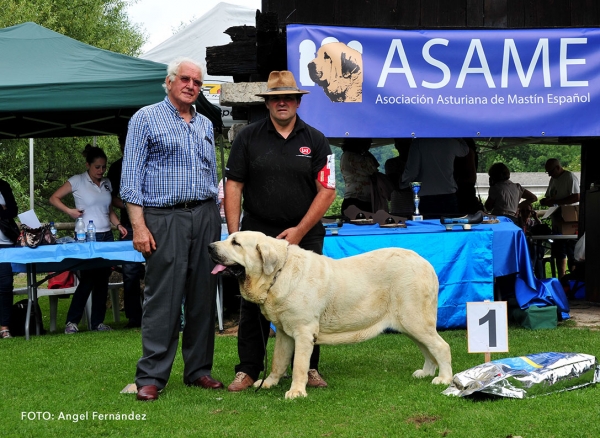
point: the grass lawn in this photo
(67, 382)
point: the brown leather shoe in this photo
(242, 381)
(147, 393)
(315, 380)
(207, 382)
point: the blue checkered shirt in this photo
(168, 161)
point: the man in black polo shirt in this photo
(284, 171)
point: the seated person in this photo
(528, 218)
(504, 197)
(357, 165)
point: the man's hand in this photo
(143, 241)
(292, 235)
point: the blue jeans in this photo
(94, 281)
(6, 293)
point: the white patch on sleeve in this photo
(327, 174)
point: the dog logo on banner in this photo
(337, 68)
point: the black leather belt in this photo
(187, 205)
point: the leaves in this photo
(531, 157)
(101, 23)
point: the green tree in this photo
(530, 157)
(100, 23)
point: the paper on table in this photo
(30, 219)
(550, 211)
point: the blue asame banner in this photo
(447, 83)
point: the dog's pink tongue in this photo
(218, 268)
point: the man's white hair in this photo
(173, 69)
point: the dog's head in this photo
(338, 70)
(253, 258)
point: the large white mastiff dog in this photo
(313, 299)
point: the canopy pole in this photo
(31, 173)
(222, 147)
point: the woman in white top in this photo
(92, 194)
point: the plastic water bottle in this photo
(91, 232)
(53, 229)
(80, 230)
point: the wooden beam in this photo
(232, 59)
(495, 13)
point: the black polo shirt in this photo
(278, 174)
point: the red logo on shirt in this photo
(305, 150)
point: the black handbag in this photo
(10, 229)
(34, 237)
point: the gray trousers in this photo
(180, 267)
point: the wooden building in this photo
(269, 41)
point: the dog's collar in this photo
(278, 272)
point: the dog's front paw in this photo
(419, 374)
(441, 381)
(267, 383)
(294, 393)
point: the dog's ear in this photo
(349, 66)
(268, 254)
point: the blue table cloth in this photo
(49, 258)
(57, 258)
(466, 261)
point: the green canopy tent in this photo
(54, 86)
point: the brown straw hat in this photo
(281, 82)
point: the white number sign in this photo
(487, 327)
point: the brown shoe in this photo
(242, 381)
(147, 393)
(207, 382)
(315, 380)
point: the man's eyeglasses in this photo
(187, 79)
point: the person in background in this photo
(357, 165)
(504, 197)
(284, 171)
(465, 175)
(528, 218)
(8, 211)
(169, 185)
(92, 194)
(402, 202)
(563, 189)
(230, 288)
(221, 201)
(133, 273)
(431, 162)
